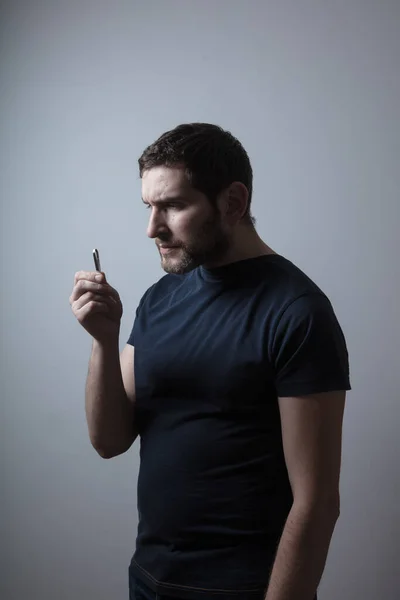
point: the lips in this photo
(165, 249)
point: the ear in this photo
(236, 200)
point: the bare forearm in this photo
(301, 554)
(109, 412)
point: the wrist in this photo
(106, 344)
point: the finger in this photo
(90, 276)
(91, 308)
(83, 286)
(90, 296)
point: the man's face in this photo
(187, 229)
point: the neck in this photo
(246, 244)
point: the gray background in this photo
(312, 90)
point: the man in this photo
(236, 388)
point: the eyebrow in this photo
(167, 200)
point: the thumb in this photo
(100, 277)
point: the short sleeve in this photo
(309, 352)
(131, 339)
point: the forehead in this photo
(163, 182)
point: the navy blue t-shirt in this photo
(214, 349)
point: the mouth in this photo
(167, 249)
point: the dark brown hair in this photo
(212, 157)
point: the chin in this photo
(177, 267)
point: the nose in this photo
(156, 224)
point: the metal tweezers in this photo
(96, 258)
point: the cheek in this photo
(183, 224)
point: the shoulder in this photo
(286, 291)
(287, 281)
(298, 302)
(303, 331)
(295, 293)
(303, 313)
(306, 344)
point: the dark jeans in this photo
(139, 591)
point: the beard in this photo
(207, 245)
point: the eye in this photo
(174, 205)
(167, 206)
